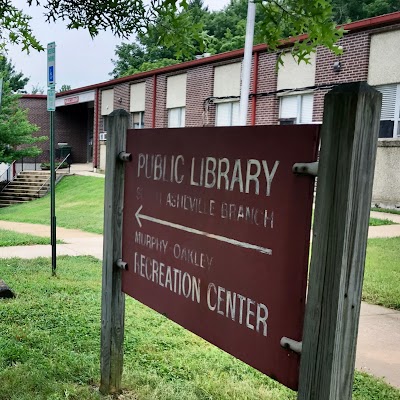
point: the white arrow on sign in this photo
(245, 245)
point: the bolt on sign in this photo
(216, 233)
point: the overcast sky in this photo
(80, 61)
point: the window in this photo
(390, 112)
(138, 120)
(296, 109)
(227, 114)
(176, 117)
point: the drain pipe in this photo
(153, 117)
(255, 82)
(246, 67)
(96, 132)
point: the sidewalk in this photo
(378, 351)
(384, 231)
(77, 243)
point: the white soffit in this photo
(77, 98)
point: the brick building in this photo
(205, 91)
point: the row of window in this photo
(296, 109)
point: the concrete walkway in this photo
(384, 231)
(378, 351)
(77, 243)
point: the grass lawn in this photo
(386, 210)
(11, 238)
(382, 272)
(79, 205)
(49, 346)
(379, 222)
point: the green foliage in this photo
(15, 28)
(16, 132)
(353, 10)
(225, 30)
(37, 89)
(65, 88)
(16, 80)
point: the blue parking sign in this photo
(51, 74)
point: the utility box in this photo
(63, 150)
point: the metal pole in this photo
(52, 197)
(246, 67)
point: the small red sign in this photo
(71, 100)
(216, 232)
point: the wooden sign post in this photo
(113, 300)
(165, 196)
(347, 161)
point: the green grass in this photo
(79, 205)
(386, 210)
(49, 346)
(379, 222)
(382, 272)
(11, 238)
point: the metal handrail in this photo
(10, 168)
(55, 171)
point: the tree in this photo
(225, 30)
(16, 80)
(353, 10)
(65, 88)
(127, 17)
(16, 132)
(36, 89)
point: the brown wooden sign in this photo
(216, 231)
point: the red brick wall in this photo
(161, 110)
(267, 110)
(38, 115)
(354, 66)
(148, 113)
(199, 88)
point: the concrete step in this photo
(17, 197)
(37, 172)
(26, 184)
(6, 203)
(32, 179)
(27, 189)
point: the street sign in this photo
(51, 64)
(51, 100)
(216, 232)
